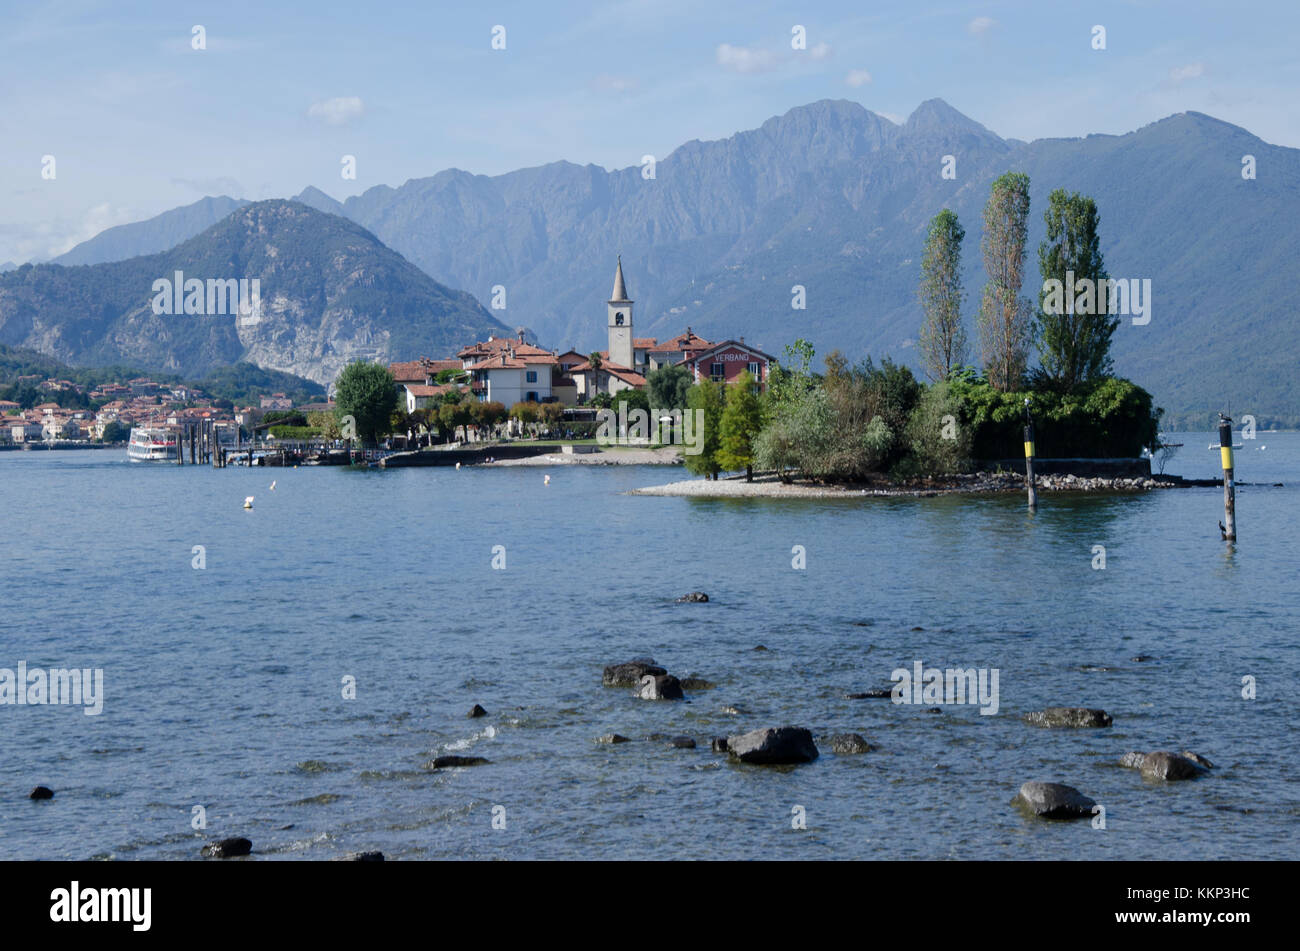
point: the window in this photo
(755, 372)
(532, 396)
(716, 372)
(531, 376)
(618, 320)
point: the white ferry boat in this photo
(152, 445)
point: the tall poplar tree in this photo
(943, 339)
(1004, 317)
(1074, 325)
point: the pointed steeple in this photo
(620, 289)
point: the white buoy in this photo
(547, 481)
(273, 486)
(458, 465)
(248, 502)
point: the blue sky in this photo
(138, 121)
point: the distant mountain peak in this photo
(935, 114)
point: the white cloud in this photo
(743, 59)
(1191, 71)
(821, 51)
(615, 84)
(980, 25)
(858, 77)
(337, 111)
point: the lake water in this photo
(223, 685)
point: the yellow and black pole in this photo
(1029, 459)
(1229, 526)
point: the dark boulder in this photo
(773, 745)
(630, 673)
(227, 848)
(447, 762)
(1079, 717)
(847, 743)
(1053, 801)
(1198, 759)
(719, 744)
(612, 738)
(695, 597)
(477, 711)
(365, 857)
(660, 687)
(41, 792)
(682, 743)
(1132, 760)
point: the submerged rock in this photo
(875, 693)
(660, 687)
(227, 848)
(629, 674)
(719, 744)
(697, 683)
(1053, 801)
(477, 711)
(682, 743)
(848, 743)
(1167, 766)
(364, 857)
(1170, 767)
(41, 792)
(612, 738)
(695, 597)
(773, 746)
(447, 762)
(1080, 717)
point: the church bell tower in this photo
(620, 321)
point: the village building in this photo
(726, 361)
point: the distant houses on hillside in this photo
(509, 370)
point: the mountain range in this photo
(836, 199)
(329, 292)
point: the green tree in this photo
(943, 338)
(1074, 332)
(1004, 316)
(790, 380)
(709, 398)
(742, 419)
(367, 393)
(115, 432)
(668, 387)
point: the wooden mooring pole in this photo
(1029, 460)
(1229, 527)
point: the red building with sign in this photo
(724, 362)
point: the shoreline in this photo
(769, 486)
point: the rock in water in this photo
(660, 687)
(227, 848)
(719, 744)
(1170, 767)
(630, 673)
(41, 792)
(697, 683)
(612, 738)
(366, 857)
(477, 711)
(1132, 760)
(1053, 801)
(446, 762)
(695, 597)
(773, 746)
(1068, 717)
(1198, 759)
(846, 743)
(682, 743)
